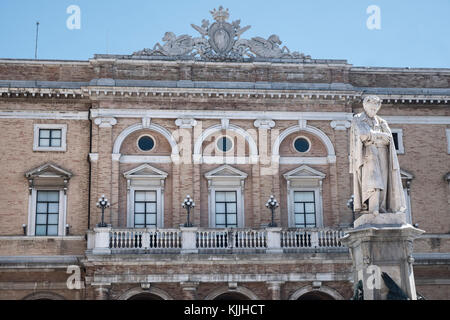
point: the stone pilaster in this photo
(101, 291)
(343, 179)
(176, 198)
(197, 179)
(189, 290)
(256, 197)
(115, 178)
(104, 173)
(275, 289)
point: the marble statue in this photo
(377, 185)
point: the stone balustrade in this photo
(208, 240)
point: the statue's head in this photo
(371, 105)
(275, 39)
(169, 36)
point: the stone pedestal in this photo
(101, 242)
(380, 244)
(188, 240)
(274, 240)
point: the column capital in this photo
(275, 284)
(189, 285)
(340, 124)
(186, 123)
(115, 156)
(264, 123)
(93, 157)
(105, 122)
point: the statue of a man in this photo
(377, 185)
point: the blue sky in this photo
(413, 33)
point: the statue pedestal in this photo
(380, 244)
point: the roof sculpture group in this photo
(220, 41)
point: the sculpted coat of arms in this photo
(220, 41)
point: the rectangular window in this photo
(305, 209)
(47, 213)
(145, 209)
(226, 209)
(395, 136)
(50, 138)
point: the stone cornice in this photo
(230, 90)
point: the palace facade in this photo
(229, 122)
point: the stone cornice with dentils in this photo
(233, 90)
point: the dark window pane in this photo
(301, 145)
(224, 144)
(145, 209)
(304, 209)
(146, 143)
(47, 209)
(395, 137)
(226, 209)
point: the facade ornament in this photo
(93, 157)
(146, 122)
(340, 124)
(115, 156)
(105, 122)
(264, 124)
(302, 124)
(220, 41)
(186, 123)
(225, 123)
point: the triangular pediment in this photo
(145, 171)
(304, 172)
(406, 175)
(226, 171)
(48, 170)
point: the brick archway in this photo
(134, 293)
(227, 294)
(310, 293)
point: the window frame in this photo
(159, 206)
(32, 214)
(399, 132)
(146, 135)
(239, 205)
(304, 178)
(226, 214)
(301, 137)
(145, 178)
(145, 213)
(47, 213)
(36, 140)
(304, 211)
(317, 206)
(219, 151)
